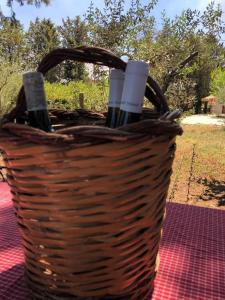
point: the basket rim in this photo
(91, 134)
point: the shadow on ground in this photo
(13, 285)
(214, 189)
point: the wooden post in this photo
(205, 107)
(81, 100)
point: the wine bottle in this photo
(21, 119)
(116, 80)
(133, 92)
(36, 101)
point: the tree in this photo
(10, 83)
(217, 85)
(12, 41)
(29, 2)
(42, 37)
(212, 51)
(188, 33)
(10, 3)
(73, 33)
(117, 28)
(202, 32)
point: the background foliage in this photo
(67, 96)
(130, 32)
(218, 84)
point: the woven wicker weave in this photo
(90, 200)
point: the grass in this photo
(199, 166)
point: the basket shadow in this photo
(10, 237)
(13, 284)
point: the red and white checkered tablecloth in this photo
(192, 254)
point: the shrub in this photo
(10, 83)
(66, 96)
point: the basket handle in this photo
(87, 54)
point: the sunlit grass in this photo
(208, 144)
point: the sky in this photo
(59, 9)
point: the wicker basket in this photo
(90, 200)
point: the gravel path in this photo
(204, 119)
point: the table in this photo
(192, 254)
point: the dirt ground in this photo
(199, 167)
(204, 120)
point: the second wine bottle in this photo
(133, 92)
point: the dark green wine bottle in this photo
(36, 101)
(21, 119)
(133, 92)
(116, 80)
